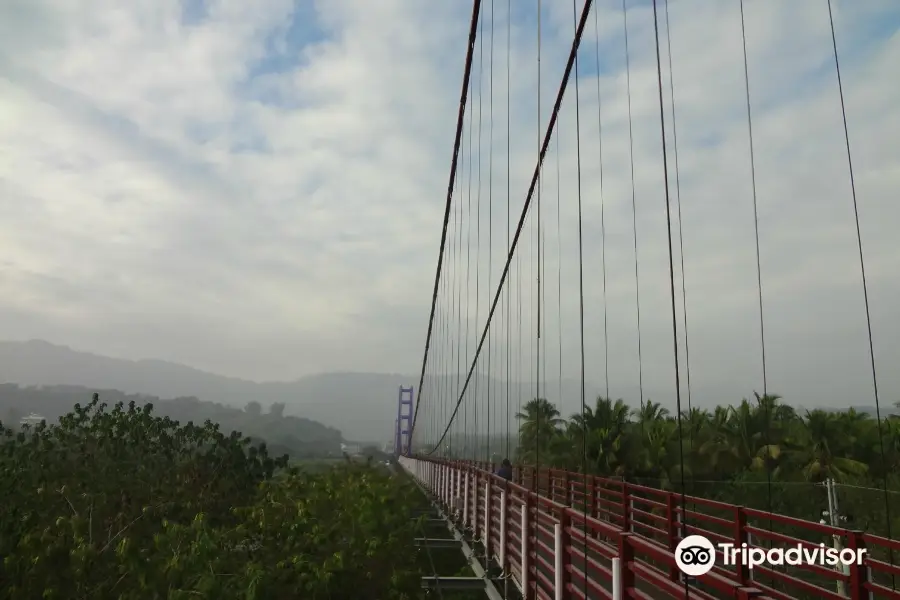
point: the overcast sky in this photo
(257, 188)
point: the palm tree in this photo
(819, 456)
(601, 434)
(727, 452)
(541, 423)
(651, 411)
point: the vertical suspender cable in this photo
(580, 288)
(508, 197)
(559, 262)
(490, 222)
(451, 292)
(468, 220)
(459, 297)
(687, 347)
(477, 431)
(451, 316)
(602, 208)
(519, 338)
(662, 127)
(537, 395)
(865, 286)
(444, 360)
(637, 280)
(453, 327)
(762, 334)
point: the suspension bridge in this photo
(533, 316)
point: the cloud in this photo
(257, 188)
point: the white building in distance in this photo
(32, 419)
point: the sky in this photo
(257, 188)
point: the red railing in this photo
(580, 530)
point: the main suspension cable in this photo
(473, 26)
(529, 195)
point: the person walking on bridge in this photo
(505, 470)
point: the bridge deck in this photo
(579, 530)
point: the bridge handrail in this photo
(574, 527)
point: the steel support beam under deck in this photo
(460, 541)
(447, 584)
(438, 543)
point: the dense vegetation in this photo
(299, 437)
(125, 503)
(121, 503)
(731, 453)
(760, 453)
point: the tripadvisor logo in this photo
(695, 555)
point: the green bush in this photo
(124, 504)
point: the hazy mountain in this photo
(360, 405)
(886, 410)
(284, 434)
(363, 406)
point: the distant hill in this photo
(886, 409)
(299, 437)
(363, 406)
(358, 404)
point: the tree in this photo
(754, 453)
(540, 425)
(277, 409)
(124, 504)
(303, 437)
(253, 408)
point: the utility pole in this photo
(836, 519)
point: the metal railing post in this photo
(476, 476)
(503, 530)
(524, 549)
(558, 552)
(859, 572)
(466, 499)
(626, 557)
(487, 519)
(672, 533)
(740, 537)
(562, 544)
(457, 474)
(616, 578)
